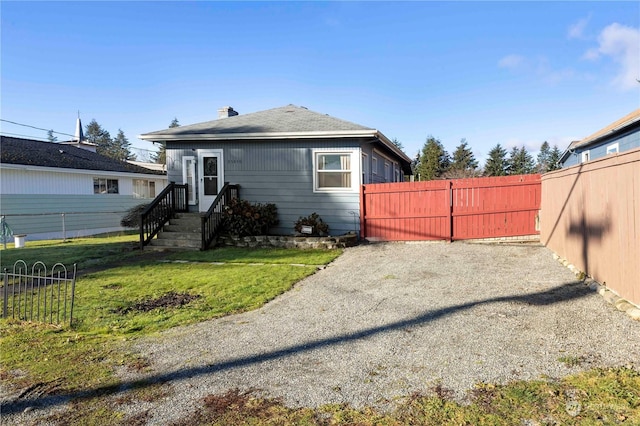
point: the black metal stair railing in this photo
(171, 200)
(212, 219)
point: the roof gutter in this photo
(392, 146)
(261, 135)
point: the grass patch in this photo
(600, 396)
(106, 301)
(128, 296)
(86, 252)
(259, 255)
(571, 360)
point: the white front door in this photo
(211, 177)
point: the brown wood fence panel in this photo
(450, 209)
(591, 216)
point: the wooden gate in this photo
(456, 209)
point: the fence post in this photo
(363, 223)
(450, 218)
(64, 229)
(5, 293)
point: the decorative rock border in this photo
(289, 241)
(608, 295)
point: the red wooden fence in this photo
(456, 209)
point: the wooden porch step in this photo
(182, 232)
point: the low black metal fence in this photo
(38, 294)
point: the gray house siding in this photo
(41, 217)
(280, 172)
(626, 141)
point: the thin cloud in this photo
(577, 30)
(621, 44)
(540, 67)
(511, 61)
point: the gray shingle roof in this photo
(47, 154)
(288, 119)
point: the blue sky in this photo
(514, 73)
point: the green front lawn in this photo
(142, 293)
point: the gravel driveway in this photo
(386, 320)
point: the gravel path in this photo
(386, 320)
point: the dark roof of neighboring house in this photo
(48, 154)
(287, 122)
(613, 128)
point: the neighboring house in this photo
(55, 190)
(300, 160)
(619, 136)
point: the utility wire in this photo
(23, 136)
(34, 127)
(53, 131)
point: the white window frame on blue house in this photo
(614, 148)
(586, 156)
(350, 171)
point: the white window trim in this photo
(374, 165)
(614, 148)
(586, 156)
(356, 173)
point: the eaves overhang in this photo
(187, 137)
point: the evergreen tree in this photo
(497, 162)
(434, 160)
(121, 148)
(398, 144)
(94, 133)
(50, 136)
(520, 162)
(543, 158)
(554, 159)
(464, 163)
(161, 156)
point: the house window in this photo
(143, 188)
(333, 171)
(105, 186)
(374, 165)
(585, 156)
(613, 148)
(387, 172)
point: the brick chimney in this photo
(227, 111)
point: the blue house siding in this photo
(280, 172)
(625, 142)
(625, 133)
